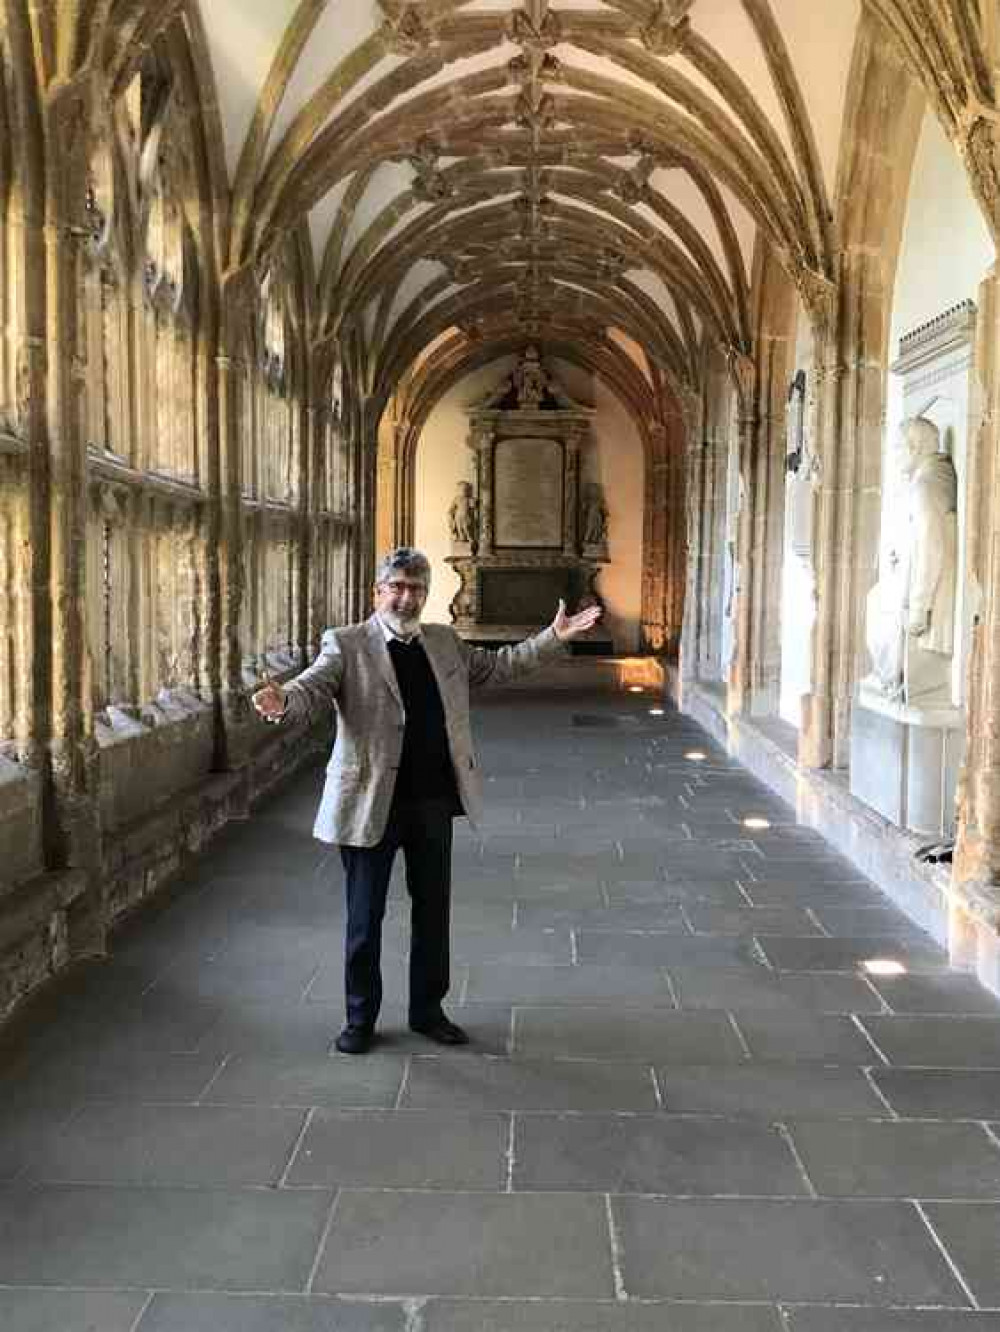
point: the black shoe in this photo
(442, 1031)
(355, 1040)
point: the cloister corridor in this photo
(687, 1106)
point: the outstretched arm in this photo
(312, 691)
(487, 667)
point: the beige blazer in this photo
(354, 675)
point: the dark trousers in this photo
(423, 830)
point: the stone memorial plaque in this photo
(521, 596)
(528, 498)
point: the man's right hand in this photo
(270, 701)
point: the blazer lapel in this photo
(380, 652)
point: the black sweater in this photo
(426, 771)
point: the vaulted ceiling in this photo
(590, 173)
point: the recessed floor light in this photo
(696, 756)
(755, 822)
(884, 966)
(635, 689)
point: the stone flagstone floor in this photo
(686, 1107)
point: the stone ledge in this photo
(34, 934)
(965, 918)
(139, 857)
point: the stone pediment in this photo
(529, 387)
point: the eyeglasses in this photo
(397, 587)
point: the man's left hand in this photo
(567, 627)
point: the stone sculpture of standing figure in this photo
(595, 516)
(462, 514)
(911, 610)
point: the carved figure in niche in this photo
(462, 514)
(595, 515)
(530, 380)
(910, 624)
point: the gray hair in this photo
(404, 559)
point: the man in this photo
(403, 766)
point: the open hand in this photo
(270, 701)
(567, 627)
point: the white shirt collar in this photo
(389, 634)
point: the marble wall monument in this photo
(527, 530)
(908, 727)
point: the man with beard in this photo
(403, 766)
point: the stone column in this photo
(846, 414)
(75, 829)
(738, 681)
(571, 495)
(231, 554)
(977, 855)
(483, 443)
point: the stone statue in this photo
(462, 514)
(530, 380)
(595, 515)
(910, 628)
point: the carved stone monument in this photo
(523, 534)
(908, 727)
(910, 623)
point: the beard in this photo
(404, 625)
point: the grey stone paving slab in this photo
(751, 920)
(69, 1310)
(646, 1154)
(970, 1232)
(936, 1093)
(858, 921)
(845, 954)
(155, 1144)
(167, 1022)
(25, 1123)
(576, 1316)
(262, 1313)
(656, 1037)
(632, 949)
(826, 1038)
(769, 1091)
(808, 891)
(282, 979)
(721, 892)
(945, 993)
(129, 1075)
(526, 948)
(878, 1253)
(759, 987)
(569, 984)
(304, 1080)
(938, 1042)
(187, 1239)
(529, 1085)
(403, 1149)
(657, 915)
(468, 1244)
(842, 1319)
(277, 1028)
(896, 1159)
